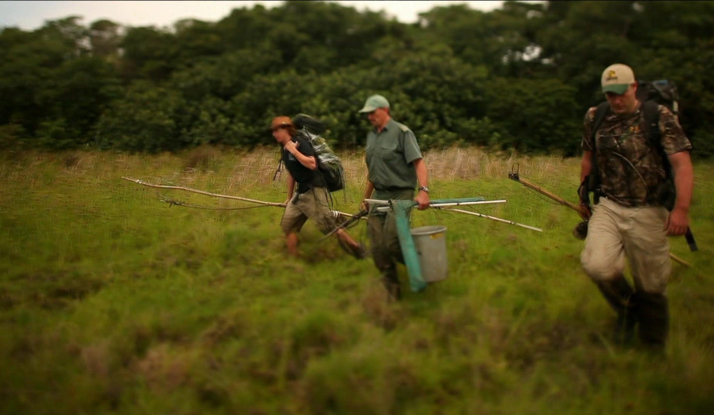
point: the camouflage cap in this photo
(617, 78)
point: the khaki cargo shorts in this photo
(312, 204)
(617, 232)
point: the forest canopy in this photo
(519, 77)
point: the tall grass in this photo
(111, 301)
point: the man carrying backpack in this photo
(627, 171)
(395, 166)
(311, 198)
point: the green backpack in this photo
(328, 164)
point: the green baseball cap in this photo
(617, 78)
(374, 102)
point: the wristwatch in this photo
(424, 188)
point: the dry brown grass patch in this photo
(96, 359)
(163, 369)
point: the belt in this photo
(392, 189)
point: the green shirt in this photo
(390, 154)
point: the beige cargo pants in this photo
(617, 232)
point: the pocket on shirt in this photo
(392, 152)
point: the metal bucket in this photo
(430, 242)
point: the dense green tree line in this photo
(517, 77)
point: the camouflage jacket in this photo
(630, 168)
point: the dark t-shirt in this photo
(304, 177)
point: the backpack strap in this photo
(653, 134)
(594, 177)
(602, 110)
(279, 169)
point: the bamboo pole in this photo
(201, 192)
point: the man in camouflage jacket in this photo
(629, 222)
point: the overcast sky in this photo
(30, 15)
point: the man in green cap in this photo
(395, 165)
(627, 146)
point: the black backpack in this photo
(662, 92)
(308, 123)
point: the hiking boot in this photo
(394, 291)
(621, 298)
(625, 328)
(653, 316)
(360, 252)
(617, 292)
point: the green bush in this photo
(518, 77)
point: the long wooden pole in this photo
(580, 209)
(201, 192)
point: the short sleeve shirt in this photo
(390, 155)
(630, 169)
(304, 177)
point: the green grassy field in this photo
(112, 301)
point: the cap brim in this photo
(618, 89)
(367, 109)
(278, 126)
